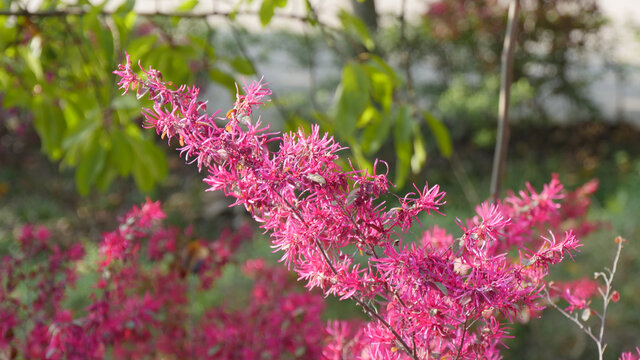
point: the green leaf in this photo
(140, 46)
(125, 8)
(50, 126)
(126, 102)
(71, 115)
(382, 87)
(403, 156)
(267, 10)
(107, 176)
(92, 162)
(376, 134)
(375, 60)
(356, 25)
(31, 56)
(242, 65)
(361, 161)
(353, 98)
(124, 22)
(404, 124)
(295, 122)
(223, 79)
(419, 153)
(370, 115)
(149, 163)
(121, 152)
(310, 16)
(76, 140)
(403, 145)
(187, 5)
(107, 46)
(441, 133)
(82, 123)
(442, 288)
(157, 160)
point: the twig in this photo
(81, 11)
(574, 319)
(506, 67)
(464, 327)
(607, 295)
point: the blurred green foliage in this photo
(58, 65)
(57, 70)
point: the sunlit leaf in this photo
(126, 7)
(353, 96)
(223, 79)
(187, 5)
(268, 8)
(402, 141)
(358, 27)
(440, 132)
(121, 152)
(376, 134)
(419, 156)
(242, 65)
(91, 165)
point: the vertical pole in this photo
(506, 70)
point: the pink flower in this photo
(577, 293)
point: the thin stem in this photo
(587, 330)
(506, 70)
(464, 333)
(606, 298)
(80, 11)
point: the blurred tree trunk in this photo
(366, 10)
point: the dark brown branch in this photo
(502, 140)
(78, 11)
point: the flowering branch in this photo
(368, 309)
(444, 297)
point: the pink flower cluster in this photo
(444, 297)
(630, 355)
(140, 307)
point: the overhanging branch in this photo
(79, 11)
